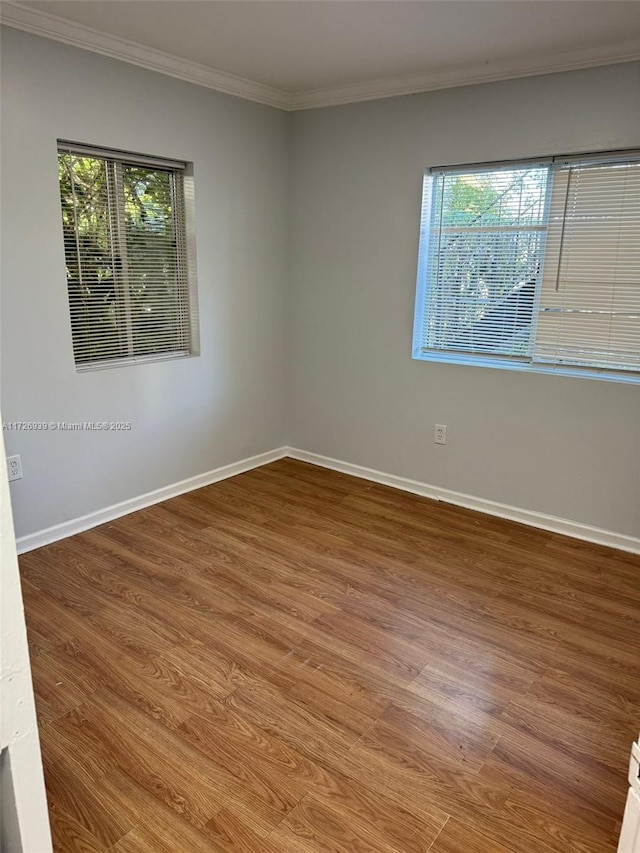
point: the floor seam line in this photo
(430, 847)
(284, 817)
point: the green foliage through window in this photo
(123, 227)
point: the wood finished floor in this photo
(297, 660)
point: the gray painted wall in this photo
(307, 244)
(565, 447)
(189, 415)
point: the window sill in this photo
(112, 363)
(529, 367)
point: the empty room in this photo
(321, 423)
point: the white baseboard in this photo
(93, 519)
(525, 516)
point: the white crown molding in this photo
(565, 526)
(468, 75)
(51, 26)
(14, 14)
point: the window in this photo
(130, 262)
(533, 265)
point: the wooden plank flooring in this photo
(297, 660)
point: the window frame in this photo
(183, 216)
(499, 361)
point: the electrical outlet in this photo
(14, 467)
(440, 434)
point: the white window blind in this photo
(484, 252)
(590, 300)
(129, 276)
(533, 263)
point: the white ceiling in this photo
(364, 46)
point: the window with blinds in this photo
(533, 264)
(129, 256)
